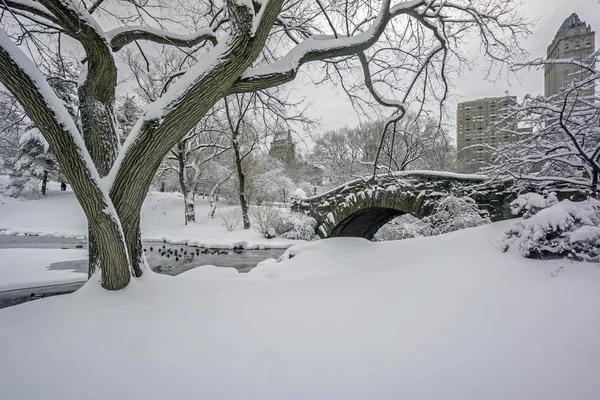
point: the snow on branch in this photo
(30, 7)
(319, 47)
(120, 37)
(29, 86)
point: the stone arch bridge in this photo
(360, 207)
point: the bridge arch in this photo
(364, 223)
(362, 214)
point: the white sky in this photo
(334, 110)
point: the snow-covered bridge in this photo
(360, 207)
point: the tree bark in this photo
(188, 195)
(190, 213)
(44, 182)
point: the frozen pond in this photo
(188, 257)
(163, 258)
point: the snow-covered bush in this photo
(565, 229)
(264, 218)
(405, 226)
(452, 214)
(298, 194)
(295, 226)
(231, 217)
(530, 204)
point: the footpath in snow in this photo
(445, 317)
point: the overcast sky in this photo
(334, 110)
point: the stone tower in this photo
(574, 39)
(283, 148)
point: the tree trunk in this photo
(190, 213)
(188, 195)
(44, 182)
(135, 250)
(242, 185)
(92, 254)
(595, 182)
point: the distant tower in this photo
(283, 148)
(574, 39)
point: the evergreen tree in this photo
(34, 163)
(128, 111)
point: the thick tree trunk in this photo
(241, 185)
(109, 253)
(133, 239)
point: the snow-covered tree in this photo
(241, 47)
(558, 136)
(34, 164)
(414, 142)
(250, 120)
(13, 124)
(128, 112)
(191, 160)
(267, 180)
(339, 154)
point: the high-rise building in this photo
(481, 122)
(574, 39)
(283, 147)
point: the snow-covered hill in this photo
(445, 317)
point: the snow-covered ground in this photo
(444, 317)
(59, 214)
(20, 268)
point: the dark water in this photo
(187, 258)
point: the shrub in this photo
(405, 226)
(295, 226)
(264, 218)
(454, 213)
(566, 228)
(451, 214)
(231, 217)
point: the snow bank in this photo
(445, 317)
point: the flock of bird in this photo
(189, 255)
